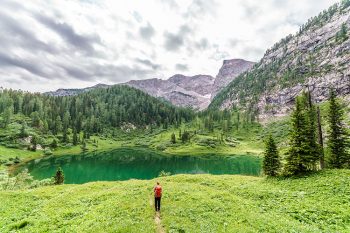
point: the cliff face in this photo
(317, 56)
(229, 71)
(180, 90)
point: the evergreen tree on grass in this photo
(271, 163)
(173, 138)
(59, 176)
(338, 138)
(303, 153)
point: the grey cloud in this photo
(200, 8)
(170, 3)
(173, 42)
(219, 55)
(147, 32)
(137, 16)
(251, 12)
(181, 67)
(253, 51)
(8, 61)
(15, 35)
(120, 73)
(148, 63)
(203, 44)
(64, 30)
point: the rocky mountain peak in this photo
(229, 71)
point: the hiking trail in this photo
(157, 219)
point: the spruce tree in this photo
(337, 136)
(303, 153)
(271, 163)
(75, 138)
(59, 176)
(173, 138)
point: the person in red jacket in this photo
(157, 196)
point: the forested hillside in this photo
(91, 112)
(318, 55)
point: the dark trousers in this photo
(157, 203)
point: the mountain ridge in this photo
(185, 91)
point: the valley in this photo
(261, 147)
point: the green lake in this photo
(124, 164)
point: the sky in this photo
(51, 44)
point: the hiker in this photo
(157, 196)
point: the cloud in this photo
(147, 32)
(181, 67)
(8, 61)
(173, 42)
(74, 44)
(82, 42)
(148, 63)
(13, 33)
(201, 8)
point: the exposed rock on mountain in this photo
(229, 71)
(318, 55)
(194, 91)
(74, 91)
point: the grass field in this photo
(191, 203)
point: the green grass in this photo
(191, 203)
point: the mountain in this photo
(318, 55)
(186, 91)
(229, 71)
(74, 91)
(190, 91)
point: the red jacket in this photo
(157, 191)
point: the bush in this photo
(164, 173)
(208, 142)
(161, 147)
(47, 151)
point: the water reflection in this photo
(124, 164)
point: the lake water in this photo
(124, 164)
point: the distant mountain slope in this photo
(74, 91)
(187, 91)
(318, 55)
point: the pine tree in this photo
(59, 177)
(303, 153)
(54, 144)
(338, 139)
(75, 138)
(173, 138)
(34, 142)
(271, 163)
(84, 146)
(23, 133)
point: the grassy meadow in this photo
(191, 203)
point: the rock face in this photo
(180, 90)
(229, 71)
(317, 56)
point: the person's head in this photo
(157, 183)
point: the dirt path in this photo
(157, 218)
